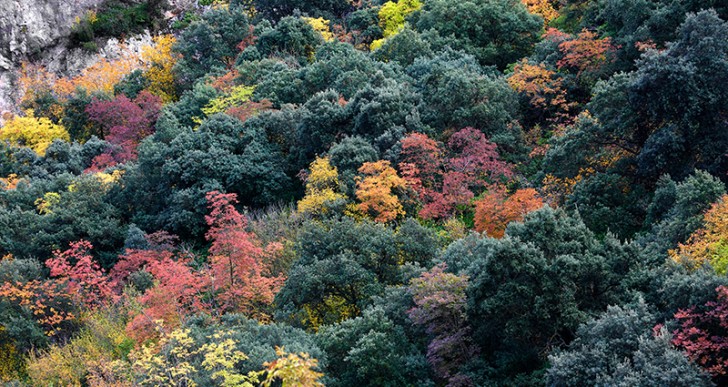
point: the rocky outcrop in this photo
(38, 31)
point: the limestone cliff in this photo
(38, 31)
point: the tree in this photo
(210, 44)
(543, 8)
(621, 347)
(708, 244)
(440, 306)
(544, 90)
(376, 191)
(496, 209)
(371, 349)
(240, 279)
(125, 122)
(702, 335)
(35, 133)
(529, 291)
(322, 186)
(495, 32)
(86, 280)
(293, 370)
(446, 180)
(161, 60)
(392, 18)
(585, 53)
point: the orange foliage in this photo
(541, 86)
(36, 81)
(50, 302)
(10, 182)
(710, 243)
(375, 191)
(586, 52)
(495, 210)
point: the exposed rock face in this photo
(38, 31)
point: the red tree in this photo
(703, 335)
(86, 280)
(239, 276)
(446, 179)
(125, 123)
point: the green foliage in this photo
(621, 348)
(496, 32)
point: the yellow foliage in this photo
(237, 96)
(11, 362)
(375, 191)
(392, 18)
(294, 370)
(321, 187)
(35, 133)
(108, 179)
(544, 8)
(321, 26)
(94, 357)
(166, 363)
(710, 243)
(47, 202)
(160, 61)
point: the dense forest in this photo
(372, 193)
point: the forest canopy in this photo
(372, 193)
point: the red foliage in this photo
(703, 335)
(178, 293)
(445, 183)
(125, 123)
(239, 276)
(86, 280)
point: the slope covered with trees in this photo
(373, 193)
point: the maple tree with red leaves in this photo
(86, 279)
(239, 276)
(703, 335)
(446, 179)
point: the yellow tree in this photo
(375, 191)
(160, 61)
(321, 26)
(544, 8)
(392, 18)
(322, 185)
(35, 133)
(710, 243)
(293, 370)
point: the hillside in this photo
(363, 193)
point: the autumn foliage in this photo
(440, 308)
(37, 133)
(585, 53)
(376, 191)
(703, 335)
(710, 243)
(446, 179)
(239, 274)
(496, 209)
(86, 281)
